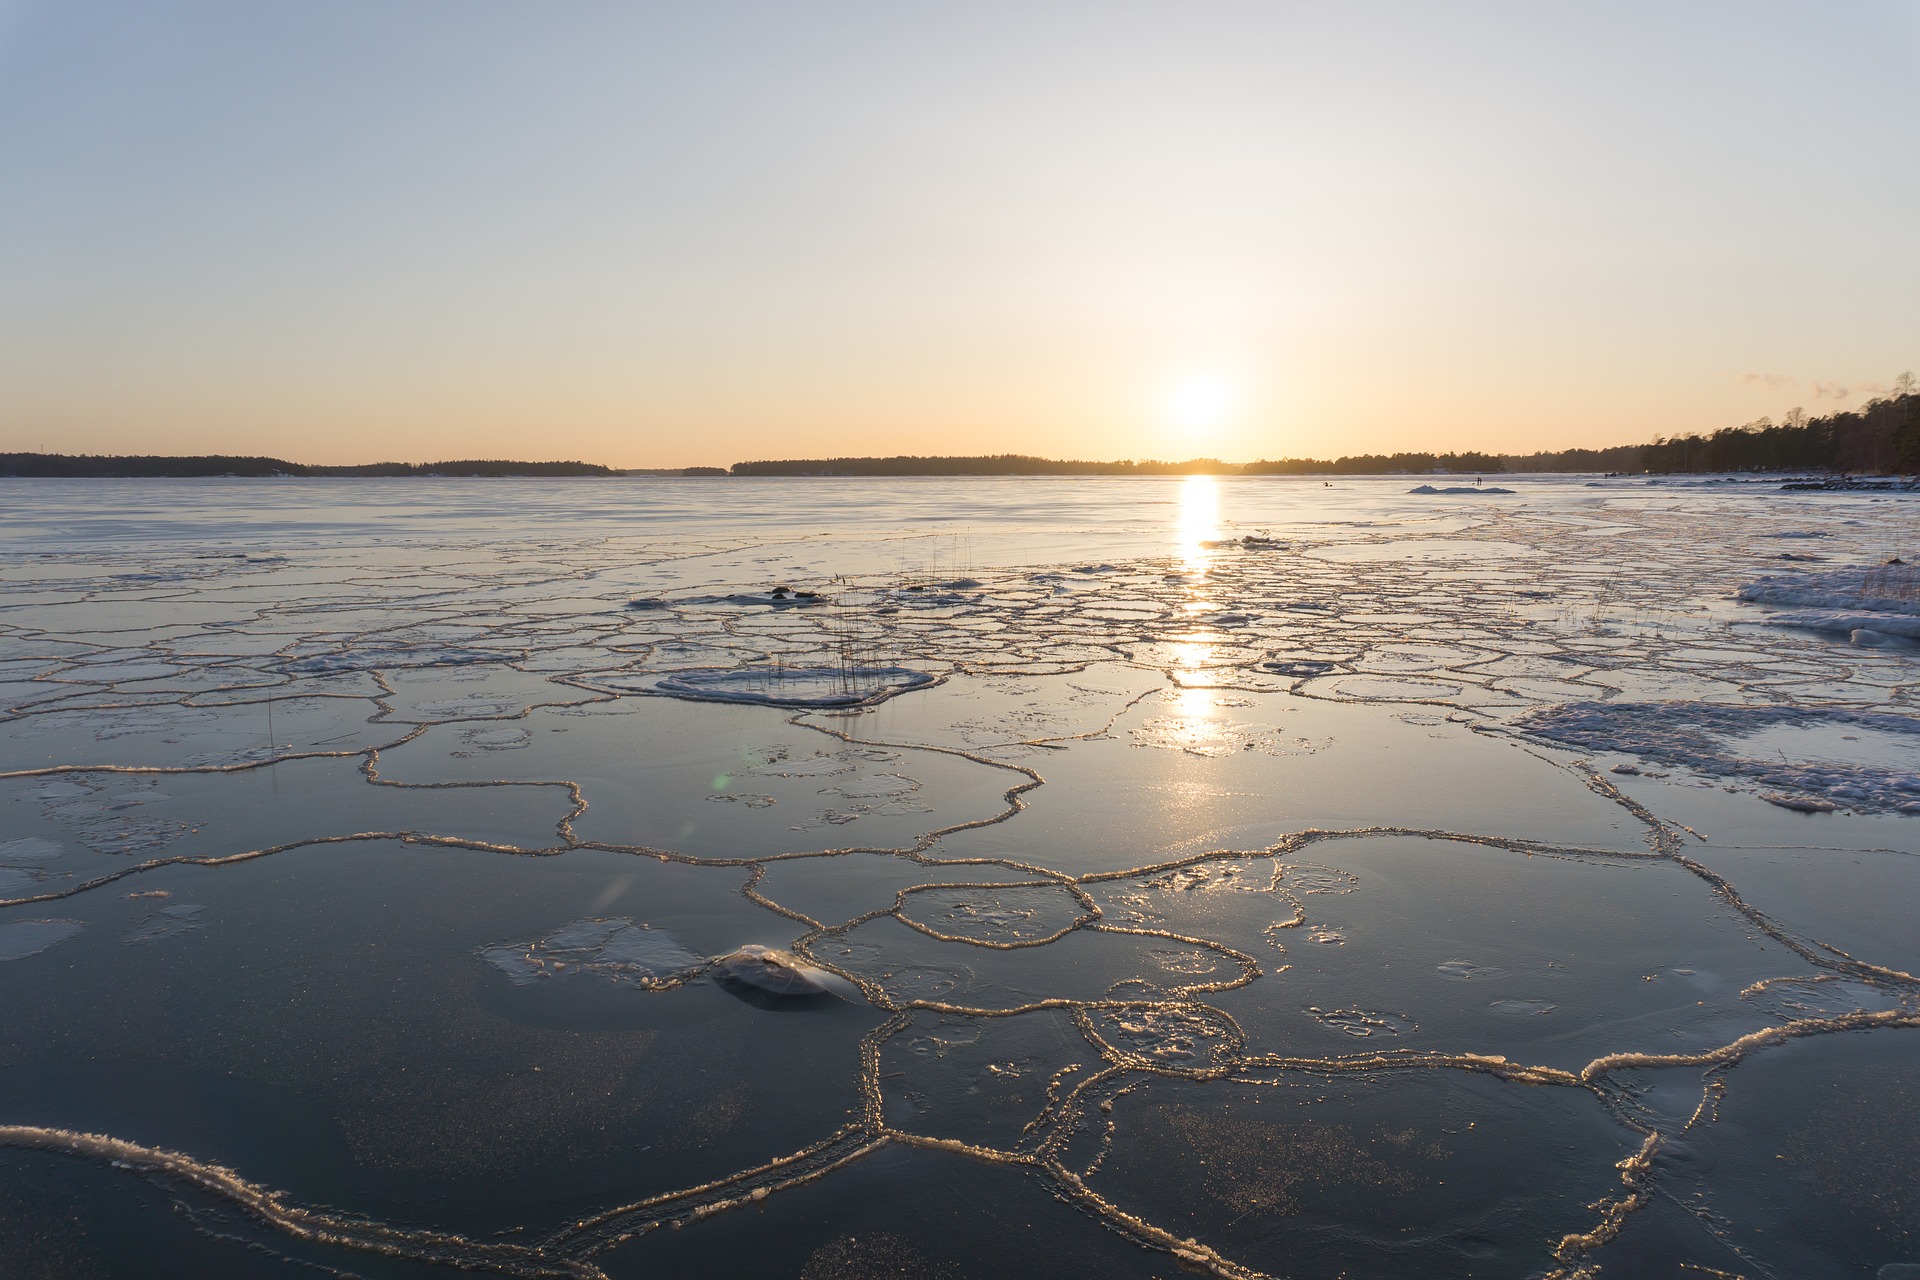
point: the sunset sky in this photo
(653, 235)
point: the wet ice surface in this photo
(763, 877)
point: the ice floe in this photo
(793, 686)
(1881, 601)
(1828, 763)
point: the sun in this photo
(1199, 404)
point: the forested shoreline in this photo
(107, 466)
(1881, 437)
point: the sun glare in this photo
(1199, 404)
(1197, 523)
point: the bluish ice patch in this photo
(22, 938)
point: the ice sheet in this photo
(1252, 875)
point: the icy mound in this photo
(1456, 490)
(1883, 588)
(1883, 600)
(794, 686)
(754, 970)
(1810, 759)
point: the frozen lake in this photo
(838, 878)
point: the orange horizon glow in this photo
(693, 239)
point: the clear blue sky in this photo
(648, 235)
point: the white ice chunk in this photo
(851, 686)
(1867, 638)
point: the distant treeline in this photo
(99, 465)
(1375, 464)
(1017, 464)
(1879, 437)
(999, 464)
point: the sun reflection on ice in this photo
(1195, 704)
(1197, 523)
(1196, 528)
(1191, 659)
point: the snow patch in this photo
(1888, 588)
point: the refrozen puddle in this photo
(621, 951)
(999, 916)
(22, 938)
(169, 921)
(33, 851)
(1193, 1036)
(1160, 892)
(1467, 971)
